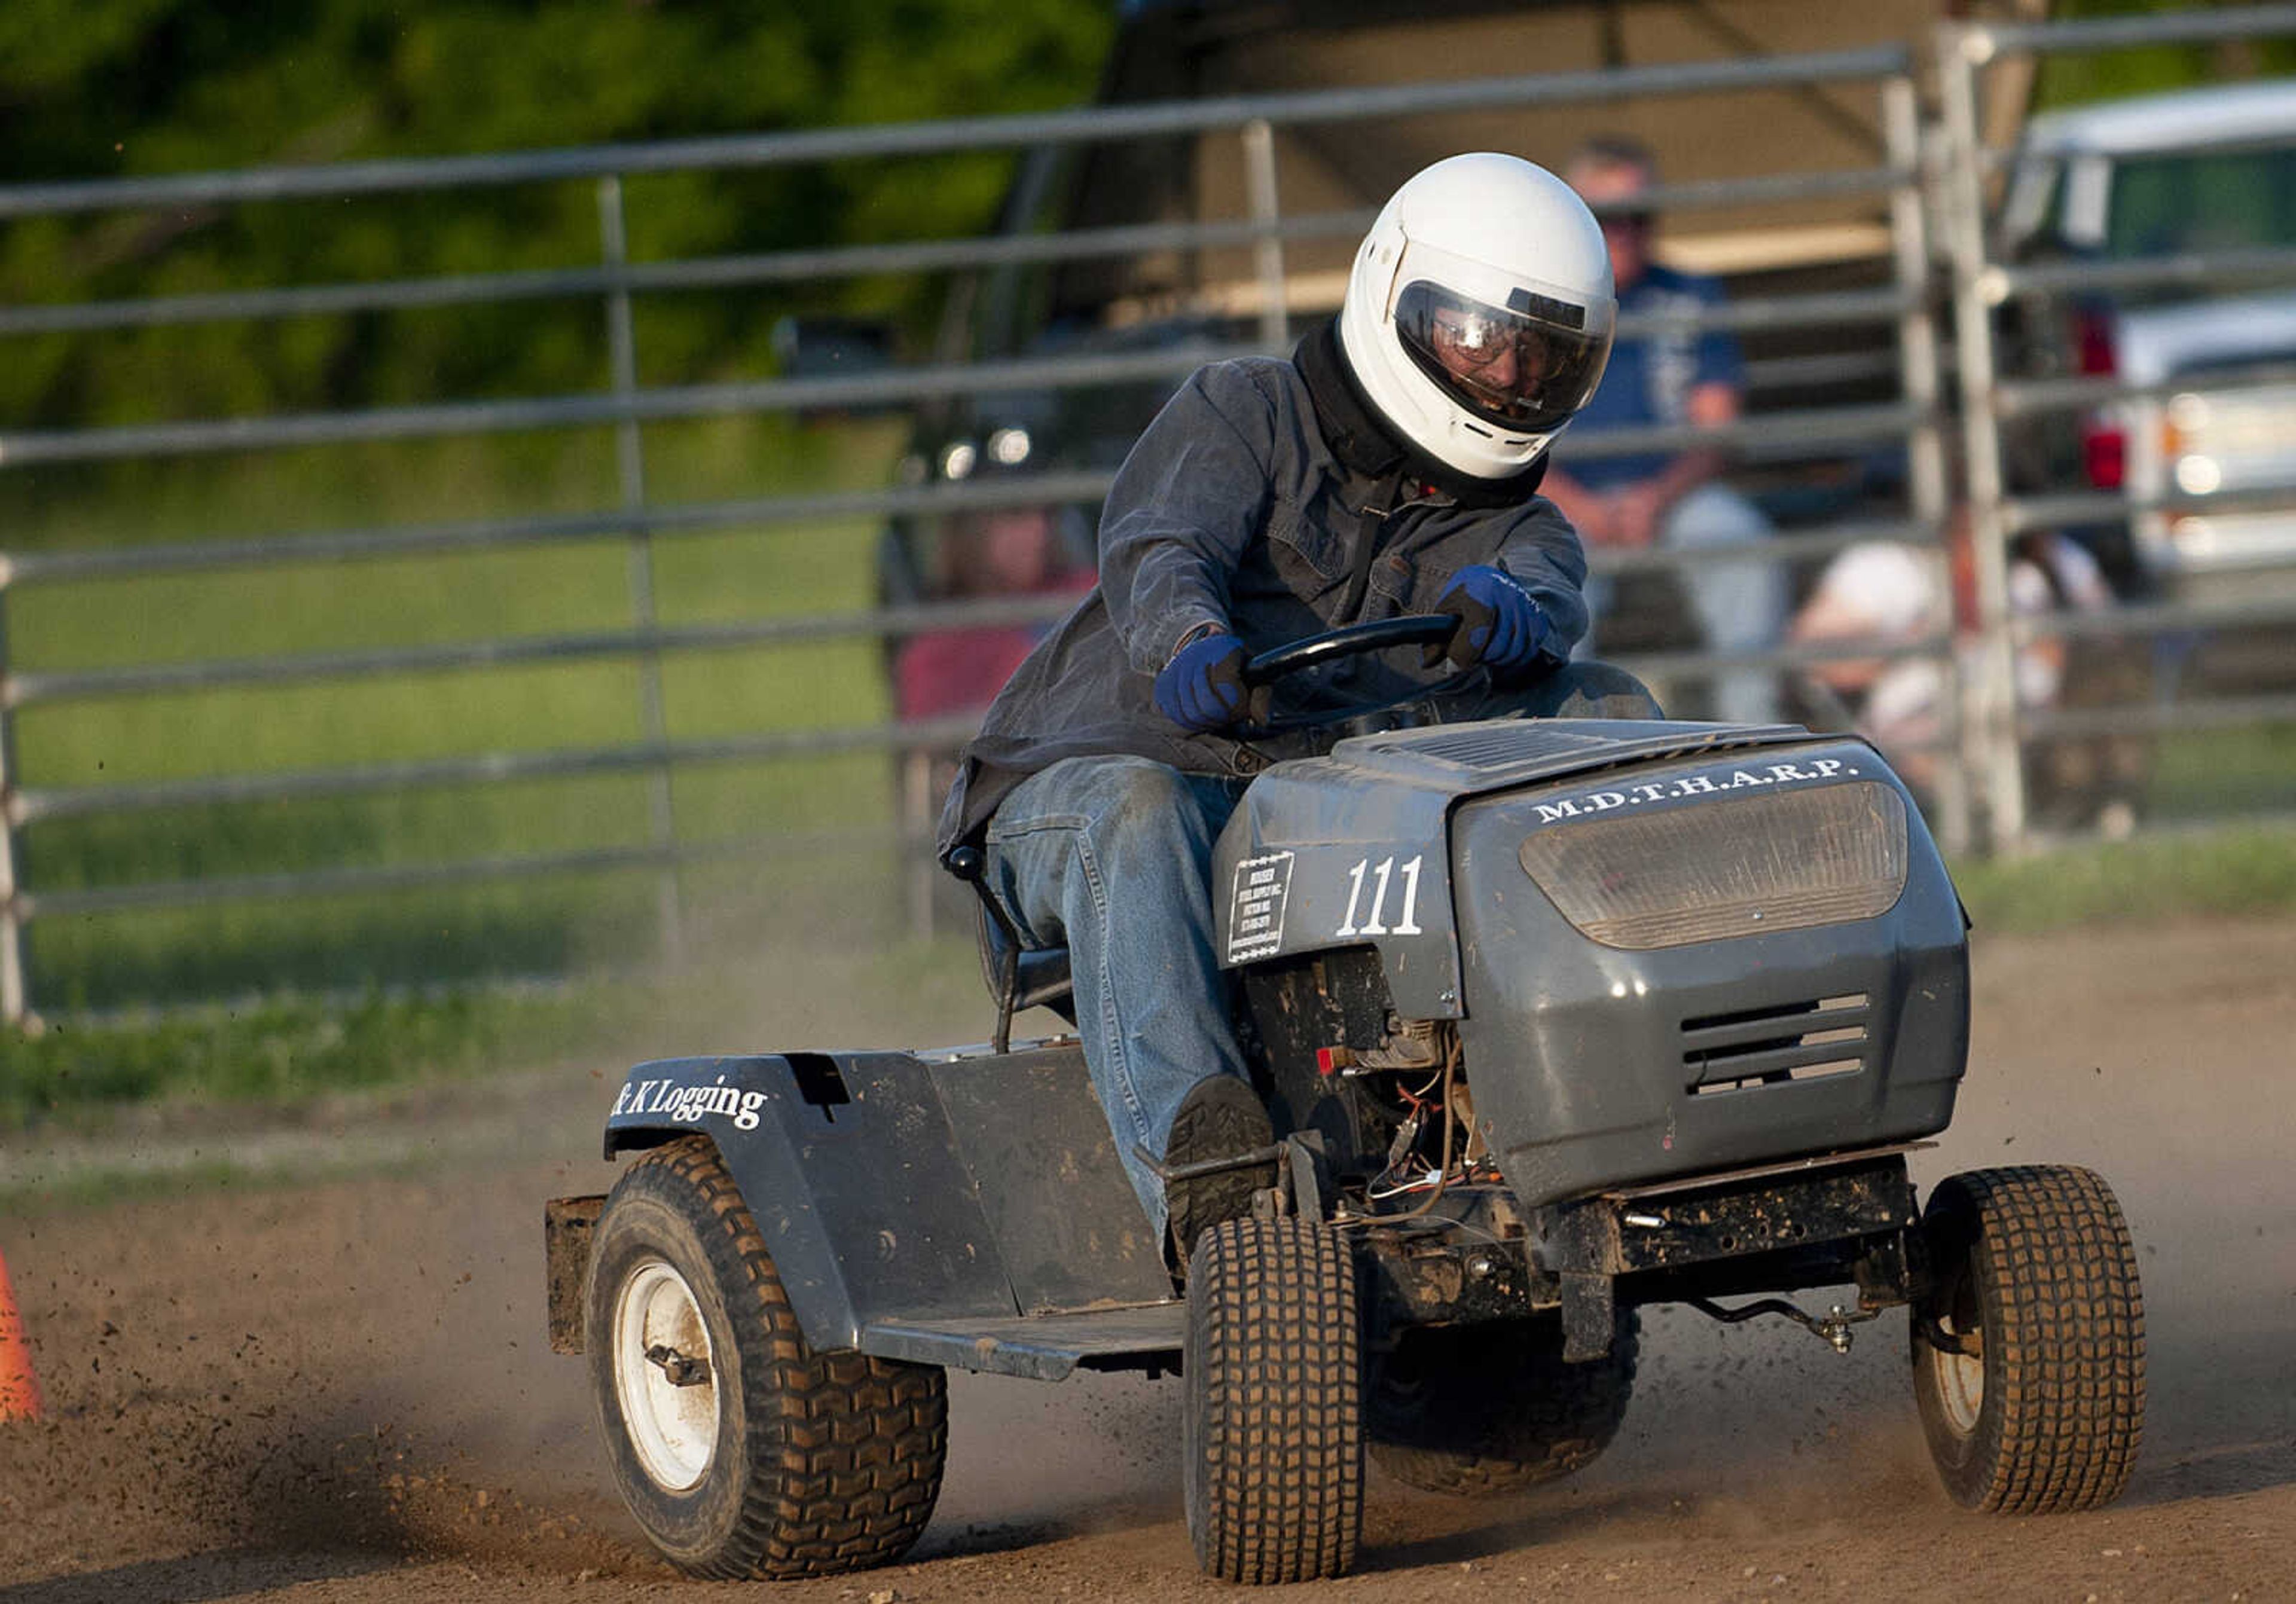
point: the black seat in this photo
(1018, 977)
(1040, 977)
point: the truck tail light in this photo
(2105, 445)
(2093, 343)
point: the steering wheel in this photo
(1354, 640)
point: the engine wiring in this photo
(1434, 1183)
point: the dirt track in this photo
(341, 1392)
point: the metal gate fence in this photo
(1926, 174)
(1997, 399)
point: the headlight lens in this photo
(1745, 866)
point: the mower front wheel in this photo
(2029, 1354)
(1272, 1451)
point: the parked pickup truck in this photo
(2205, 172)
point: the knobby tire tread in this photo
(1279, 1348)
(846, 1467)
(2059, 1293)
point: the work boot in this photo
(1220, 1117)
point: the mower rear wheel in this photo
(740, 1450)
(1474, 1410)
(1272, 1453)
(2028, 1356)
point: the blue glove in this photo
(1499, 624)
(1202, 687)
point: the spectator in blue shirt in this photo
(1674, 372)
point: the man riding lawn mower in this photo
(1442, 1002)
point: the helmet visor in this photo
(1525, 367)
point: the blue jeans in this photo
(1110, 856)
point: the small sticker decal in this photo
(1255, 925)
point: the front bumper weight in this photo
(1693, 1226)
(1698, 1224)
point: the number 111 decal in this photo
(1374, 922)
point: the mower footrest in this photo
(1043, 1347)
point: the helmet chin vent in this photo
(1475, 429)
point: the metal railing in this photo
(1999, 732)
(1914, 185)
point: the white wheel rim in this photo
(674, 1429)
(1960, 1385)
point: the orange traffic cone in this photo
(20, 1390)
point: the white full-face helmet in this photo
(1479, 312)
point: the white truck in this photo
(2206, 172)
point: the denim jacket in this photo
(1243, 505)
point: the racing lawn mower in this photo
(1556, 1018)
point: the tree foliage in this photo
(2070, 79)
(99, 88)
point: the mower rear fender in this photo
(891, 1187)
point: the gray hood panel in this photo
(1353, 849)
(1469, 759)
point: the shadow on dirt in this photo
(2224, 1471)
(2221, 1413)
(977, 1540)
(197, 1578)
(1450, 1532)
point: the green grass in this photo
(512, 927)
(288, 1049)
(386, 939)
(282, 1051)
(831, 876)
(2216, 773)
(2229, 871)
